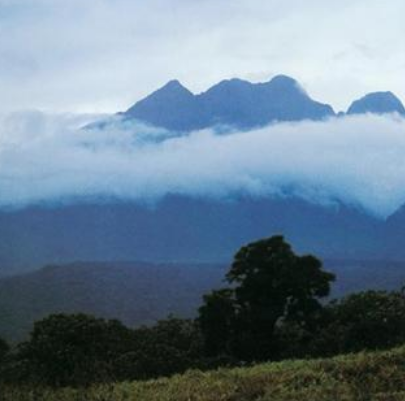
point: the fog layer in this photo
(358, 160)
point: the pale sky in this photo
(103, 55)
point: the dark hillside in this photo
(141, 293)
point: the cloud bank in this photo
(357, 160)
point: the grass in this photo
(374, 376)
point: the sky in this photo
(100, 56)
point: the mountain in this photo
(141, 293)
(180, 228)
(394, 232)
(377, 103)
(136, 293)
(234, 102)
(172, 107)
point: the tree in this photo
(216, 319)
(80, 350)
(74, 350)
(269, 284)
(366, 320)
(171, 346)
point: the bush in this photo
(171, 346)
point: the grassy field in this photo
(378, 376)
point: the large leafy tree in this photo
(269, 284)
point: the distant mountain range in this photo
(240, 104)
(183, 229)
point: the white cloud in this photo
(356, 160)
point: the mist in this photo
(51, 159)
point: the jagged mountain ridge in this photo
(234, 102)
(244, 105)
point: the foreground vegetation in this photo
(271, 310)
(377, 376)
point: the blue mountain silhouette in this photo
(236, 103)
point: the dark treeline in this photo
(270, 310)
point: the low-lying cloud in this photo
(358, 160)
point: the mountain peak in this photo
(227, 85)
(284, 82)
(172, 107)
(173, 86)
(377, 103)
(283, 79)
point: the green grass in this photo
(378, 376)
